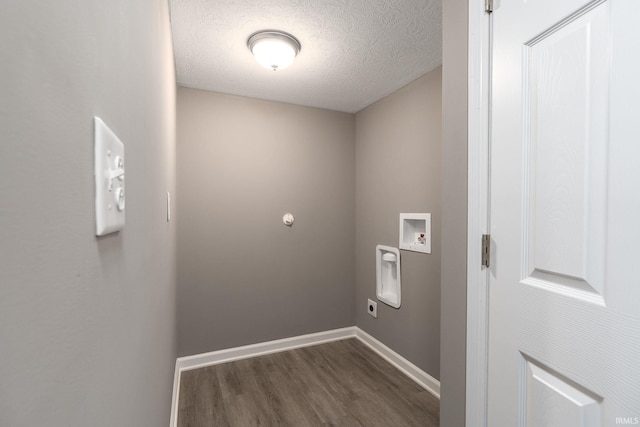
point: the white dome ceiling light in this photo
(273, 49)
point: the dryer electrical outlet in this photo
(372, 308)
(109, 178)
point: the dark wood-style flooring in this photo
(342, 383)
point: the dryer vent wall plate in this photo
(109, 179)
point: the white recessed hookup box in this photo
(415, 232)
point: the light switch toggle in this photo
(120, 199)
(117, 173)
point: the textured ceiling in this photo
(354, 52)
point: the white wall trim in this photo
(252, 350)
(238, 353)
(173, 421)
(423, 379)
(479, 132)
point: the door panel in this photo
(564, 311)
(565, 113)
(551, 399)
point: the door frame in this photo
(478, 212)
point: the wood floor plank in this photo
(342, 383)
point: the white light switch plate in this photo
(109, 177)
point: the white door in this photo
(564, 314)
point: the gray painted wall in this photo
(243, 276)
(87, 325)
(454, 213)
(398, 142)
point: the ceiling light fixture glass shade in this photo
(273, 49)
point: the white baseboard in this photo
(423, 379)
(252, 350)
(237, 353)
(173, 422)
